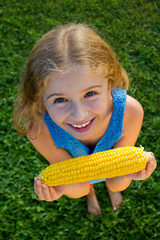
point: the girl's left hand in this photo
(146, 172)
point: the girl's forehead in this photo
(76, 77)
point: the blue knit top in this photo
(63, 139)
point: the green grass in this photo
(132, 28)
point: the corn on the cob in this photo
(107, 164)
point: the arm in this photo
(45, 146)
(132, 123)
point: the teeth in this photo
(81, 126)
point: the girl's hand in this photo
(48, 193)
(146, 172)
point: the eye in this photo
(60, 100)
(90, 94)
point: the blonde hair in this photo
(53, 54)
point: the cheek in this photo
(57, 114)
(98, 106)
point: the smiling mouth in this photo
(83, 127)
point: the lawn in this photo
(133, 30)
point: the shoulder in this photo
(133, 109)
(38, 128)
(132, 122)
(133, 115)
(41, 139)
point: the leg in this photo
(93, 205)
(116, 198)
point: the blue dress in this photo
(113, 134)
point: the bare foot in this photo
(116, 199)
(93, 205)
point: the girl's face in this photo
(79, 102)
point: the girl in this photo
(73, 102)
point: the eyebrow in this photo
(62, 94)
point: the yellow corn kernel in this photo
(108, 164)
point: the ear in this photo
(41, 107)
(109, 86)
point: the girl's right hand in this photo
(48, 193)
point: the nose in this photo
(78, 111)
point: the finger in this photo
(154, 161)
(149, 169)
(38, 189)
(151, 157)
(57, 192)
(154, 164)
(151, 166)
(138, 175)
(36, 185)
(53, 193)
(46, 193)
(141, 175)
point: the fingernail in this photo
(38, 182)
(43, 185)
